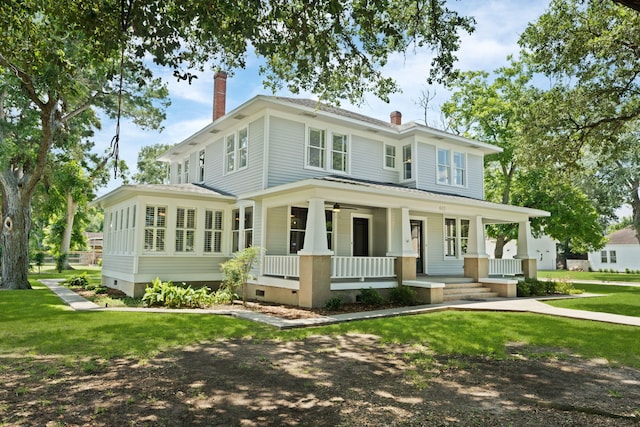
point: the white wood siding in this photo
(179, 268)
(367, 157)
(436, 262)
(276, 239)
(121, 264)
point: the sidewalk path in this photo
(522, 305)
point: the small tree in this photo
(38, 259)
(237, 270)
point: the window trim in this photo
(322, 149)
(216, 233)
(185, 171)
(155, 228)
(346, 153)
(237, 151)
(385, 156)
(186, 230)
(451, 167)
(407, 161)
(201, 165)
(459, 239)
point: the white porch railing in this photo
(342, 267)
(346, 267)
(281, 265)
(505, 267)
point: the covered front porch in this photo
(326, 239)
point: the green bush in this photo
(166, 294)
(403, 295)
(101, 290)
(224, 295)
(333, 303)
(371, 297)
(80, 281)
(533, 287)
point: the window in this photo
(451, 169)
(201, 166)
(186, 171)
(339, 154)
(456, 237)
(612, 257)
(133, 217)
(179, 174)
(237, 150)
(406, 162)
(154, 228)
(185, 229)
(298, 225)
(248, 227)
(316, 148)
(389, 156)
(212, 231)
(168, 177)
(603, 257)
(235, 230)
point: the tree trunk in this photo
(635, 206)
(65, 244)
(499, 250)
(14, 238)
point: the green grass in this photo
(623, 300)
(588, 275)
(37, 322)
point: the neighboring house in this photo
(621, 252)
(337, 200)
(543, 248)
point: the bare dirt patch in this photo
(350, 380)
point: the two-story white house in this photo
(337, 200)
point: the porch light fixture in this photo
(336, 207)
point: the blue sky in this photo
(498, 26)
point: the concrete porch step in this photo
(466, 291)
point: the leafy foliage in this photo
(403, 295)
(166, 294)
(333, 303)
(371, 296)
(80, 280)
(150, 170)
(237, 270)
(533, 287)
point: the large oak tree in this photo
(59, 60)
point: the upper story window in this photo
(155, 225)
(319, 155)
(339, 152)
(237, 150)
(456, 237)
(451, 167)
(201, 166)
(316, 147)
(406, 162)
(186, 171)
(179, 173)
(389, 156)
(185, 229)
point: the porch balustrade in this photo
(505, 267)
(342, 267)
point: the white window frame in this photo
(459, 239)
(344, 153)
(386, 157)
(236, 151)
(407, 161)
(604, 257)
(185, 170)
(201, 163)
(322, 149)
(450, 168)
(155, 226)
(179, 174)
(213, 229)
(185, 233)
(613, 257)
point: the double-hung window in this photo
(155, 228)
(603, 257)
(179, 173)
(339, 152)
(406, 162)
(456, 237)
(201, 166)
(185, 229)
(389, 156)
(212, 231)
(452, 167)
(186, 171)
(248, 227)
(237, 150)
(613, 258)
(316, 147)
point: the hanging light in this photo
(336, 207)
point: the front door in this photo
(416, 240)
(360, 236)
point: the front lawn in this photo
(623, 300)
(588, 275)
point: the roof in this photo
(626, 236)
(183, 190)
(313, 108)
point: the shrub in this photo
(79, 280)
(403, 295)
(224, 295)
(333, 303)
(101, 290)
(237, 270)
(370, 297)
(533, 287)
(166, 294)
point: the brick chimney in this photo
(396, 118)
(219, 94)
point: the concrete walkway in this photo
(521, 305)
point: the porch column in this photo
(529, 261)
(476, 260)
(401, 244)
(315, 259)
